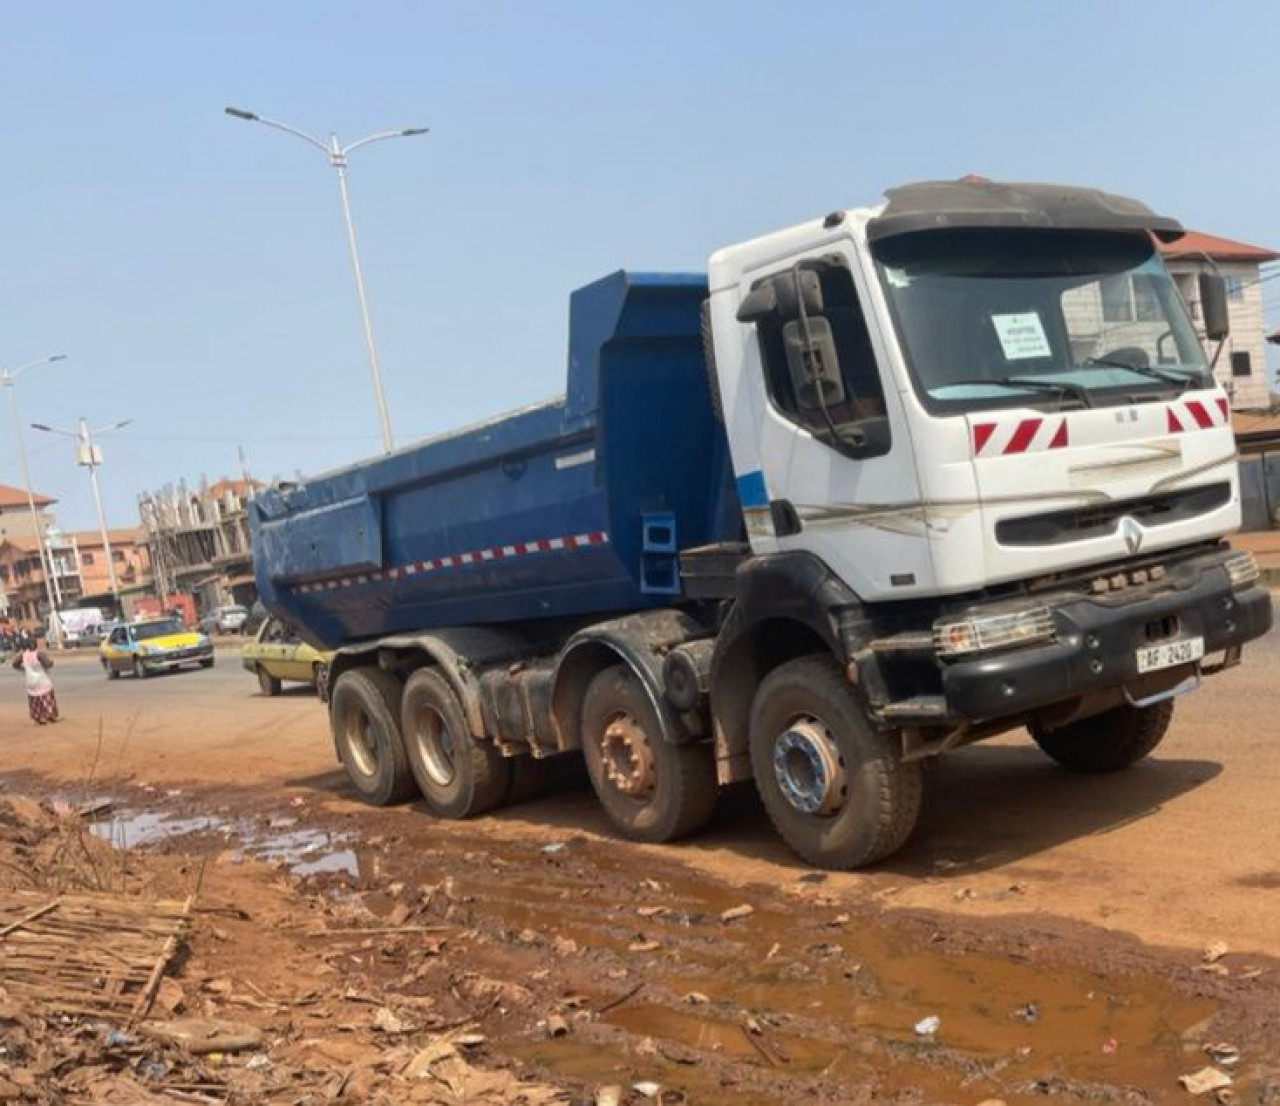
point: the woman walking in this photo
(35, 662)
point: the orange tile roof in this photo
(17, 497)
(123, 536)
(1195, 243)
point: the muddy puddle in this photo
(800, 998)
(802, 988)
(277, 840)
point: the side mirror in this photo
(813, 364)
(760, 302)
(1213, 307)
(800, 284)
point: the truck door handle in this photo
(512, 468)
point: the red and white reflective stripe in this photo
(457, 560)
(1197, 414)
(1032, 434)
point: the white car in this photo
(225, 620)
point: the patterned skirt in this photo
(44, 708)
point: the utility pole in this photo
(8, 379)
(337, 156)
(89, 455)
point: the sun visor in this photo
(946, 205)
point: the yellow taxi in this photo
(152, 645)
(277, 654)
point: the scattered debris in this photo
(1215, 952)
(1205, 1081)
(927, 1027)
(1224, 1054)
(648, 1089)
(736, 912)
(388, 1021)
(557, 1026)
(200, 1036)
(1028, 1012)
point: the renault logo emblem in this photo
(1132, 534)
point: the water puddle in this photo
(840, 998)
(303, 852)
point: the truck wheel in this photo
(651, 789)
(366, 730)
(1109, 741)
(140, 669)
(457, 775)
(113, 673)
(269, 684)
(835, 787)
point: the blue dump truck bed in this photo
(571, 507)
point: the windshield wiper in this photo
(1182, 381)
(1063, 388)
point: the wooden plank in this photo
(37, 913)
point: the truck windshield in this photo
(1000, 318)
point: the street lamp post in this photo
(89, 455)
(8, 379)
(337, 156)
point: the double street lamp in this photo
(8, 379)
(89, 456)
(337, 156)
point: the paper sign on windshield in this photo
(1021, 336)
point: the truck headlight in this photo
(1242, 570)
(980, 633)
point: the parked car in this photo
(224, 620)
(278, 654)
(152, 645)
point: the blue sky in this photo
(194, 267)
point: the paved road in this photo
(1182, 850)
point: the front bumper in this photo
(163, 662)
(1095, 646)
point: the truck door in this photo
(820, 445)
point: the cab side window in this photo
(273, 633)
(800, 381)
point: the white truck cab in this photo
(1012, 386)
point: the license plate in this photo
(1169, 654)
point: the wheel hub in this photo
(627, 757)
(436, 747)
(809, 769)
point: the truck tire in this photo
(1107, 742)
(365, 715)
(269, 684)
(457, 775)
(834, 786)
(140, 670)
(651, 789)
(113, 673)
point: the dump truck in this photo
(873, 488)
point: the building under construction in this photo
(198, 541)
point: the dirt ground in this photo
(1056, 925)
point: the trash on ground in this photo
(736, 912)
(927, 1027)
(1205, 1081)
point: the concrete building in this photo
(1242, 365)
(129, 555)
(23, 595)
(198, 541)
